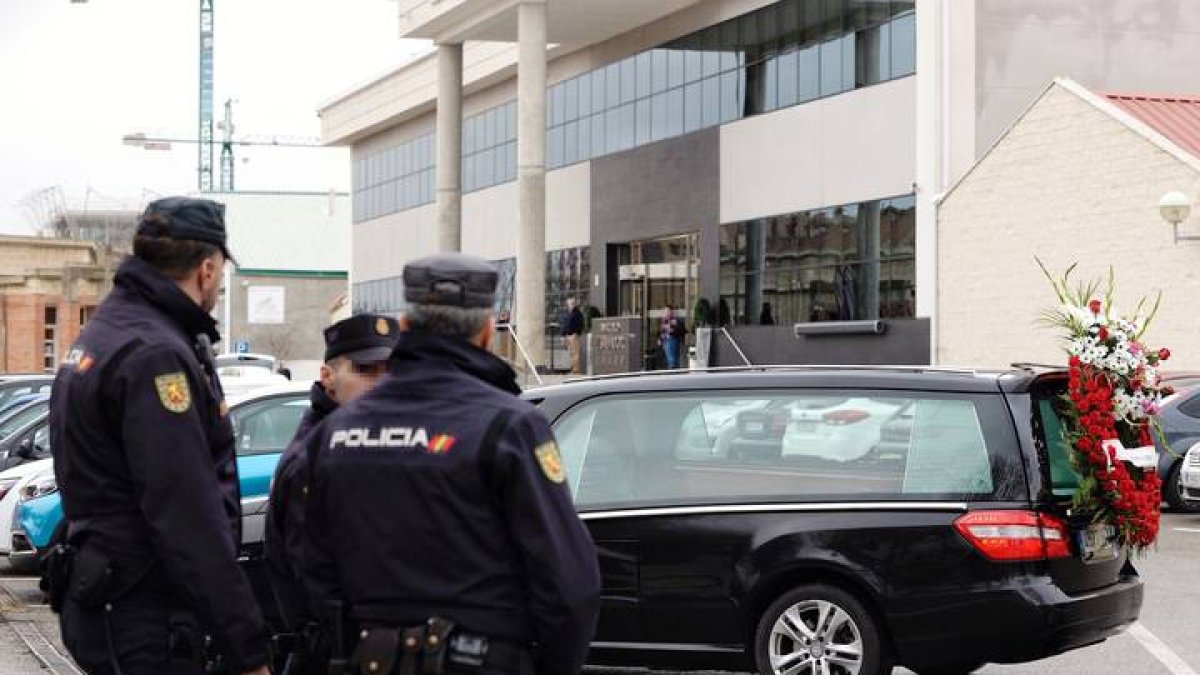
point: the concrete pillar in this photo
(449, 147)
(531, 177)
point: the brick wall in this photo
(1067, 184)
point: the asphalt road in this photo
(1163, 642)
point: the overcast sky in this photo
(76, 77)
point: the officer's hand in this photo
(258, 671)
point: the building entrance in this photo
(654, 273)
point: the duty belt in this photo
(436, 647)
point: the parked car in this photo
(264, 422)
(21, 411)
(12, 386)
(30, 443)
(1180, 421)
(958, 553)
(19, 484)
(241, 374)
(1189, 476)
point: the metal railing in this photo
(736, 347)
(530, 366)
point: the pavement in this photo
(1162, 642)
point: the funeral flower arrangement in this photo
(1109, 411)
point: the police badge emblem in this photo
(173, 392)
(550, 461)
(382, 327)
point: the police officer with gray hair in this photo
(440, 527)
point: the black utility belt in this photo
(436, 647)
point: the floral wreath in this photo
(1110, 409)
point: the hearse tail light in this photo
(1013, 536)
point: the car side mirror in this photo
(25, 449)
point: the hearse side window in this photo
(695, 448)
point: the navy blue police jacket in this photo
(145, 457)
(410, 516)
(285, 519)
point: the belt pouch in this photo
(376, 652)
(92, 578)
(437, 635)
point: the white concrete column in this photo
(531, 177)
(449, 147)
(929, 168)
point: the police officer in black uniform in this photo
(356, 357)
(439, 519)
(145, 462)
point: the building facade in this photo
(293, 256)
(779, 160)
(1077, 180)
(49, 290)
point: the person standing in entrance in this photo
(144, 458)
(573, 331)
(668, 337)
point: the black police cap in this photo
(451, 280)
(363, 338)
(188, 219)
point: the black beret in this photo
(363, 338)
(188, 219)
(451, 280)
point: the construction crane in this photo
(227, 144)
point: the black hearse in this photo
(951, 549)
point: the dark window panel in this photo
(674, 112)
(808, 70)
(848, 61)
(658, 116)
(877, 10)
(612, 131)
(571, 143)
(902, 6)
(585, 94)
(749, 31)
(904, 45)
(612, 88)
(642, 122)
(770, 84)
(731, 46)
(643, 73)
(711, 102)
(598, 135)
(693, 63)
(731, 95)
(675, 68)
(831, 68)
(598, 89)
(658, 70)
(812, 20)
(710, 44)
(789, 25)
(833, 18)
(788, 79)
(570, 100)
(626, 136)
(628, 80)
(693, 106)
(555, 146)
(585, 138)
(873, 56)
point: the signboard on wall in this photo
(616, 345)
(265, 304)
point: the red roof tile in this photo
(1176, 117)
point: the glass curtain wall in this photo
(844, 263)
(784, 54)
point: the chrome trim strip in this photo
(768, 508)
(668, 647)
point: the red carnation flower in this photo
(1094, 305)
(1164, 354)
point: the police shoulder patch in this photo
(173, 392)
(550, 461)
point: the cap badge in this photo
(382, 327)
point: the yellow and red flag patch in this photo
(550, 461)
(440, 444)
(173, 392)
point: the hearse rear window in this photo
(806, 445)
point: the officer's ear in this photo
(326, 376)
(402, 323)
(484, 339)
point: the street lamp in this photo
(1175, 207)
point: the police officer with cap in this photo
(438, 513)
(144, 458)
(356, 356)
